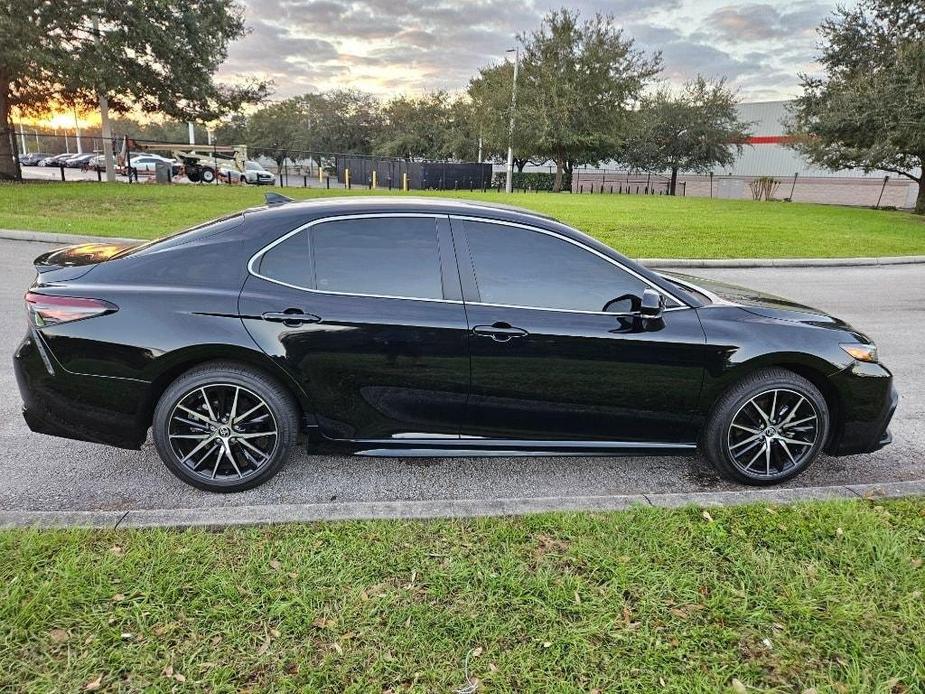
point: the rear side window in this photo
(386, 256)
(288, 261)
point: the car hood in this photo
(756, 302)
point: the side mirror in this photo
(652, 304)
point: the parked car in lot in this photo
(395, 326)
(253, 174)
(146, 164)
(33, 158)
(79, 161)
(57, 160)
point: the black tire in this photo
(207, 176)
(738, 428)
(218, 380)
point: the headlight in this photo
(861, 352)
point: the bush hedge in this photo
(533, 180)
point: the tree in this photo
(433, 126)
(343, 121)
(279, 131)
(580, 83)
(490, 96)
(694, 130)
(151, 55)
(868, 111)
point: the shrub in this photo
(532, 180)
(764, 187)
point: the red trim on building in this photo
(769, 140)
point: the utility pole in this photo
(510, 137)
(22, 137)
(192, 133)
(105, 125)
(80, 148)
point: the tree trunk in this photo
(673, 188)
(9, 164)
(557, 184)
(920, 200)
(520, 164)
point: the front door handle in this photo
(499, 332)
(291, 317)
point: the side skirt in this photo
(471, 448)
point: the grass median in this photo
(640, 226)
(822, 595)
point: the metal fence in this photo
(603, 181)
(302, 169)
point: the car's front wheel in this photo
(224, 427)
(767, 428)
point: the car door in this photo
(366, 313)
(549, 362)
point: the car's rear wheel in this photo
(767, 428)
(223, 427)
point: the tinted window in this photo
(385, 256)
(288, 261)
(519, 267)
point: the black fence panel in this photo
(421, 175)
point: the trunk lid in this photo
(71, 262)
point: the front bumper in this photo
(75, 406)
(866, 404)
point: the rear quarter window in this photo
(288, 261)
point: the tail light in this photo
(45, 309)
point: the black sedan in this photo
(426, 327)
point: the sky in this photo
(392, 47)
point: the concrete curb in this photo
(655, 263)
(54, 237)
(225, 516)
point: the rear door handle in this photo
(499, 332)
(291, 317)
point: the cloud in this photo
(405, 46)
(762, 21)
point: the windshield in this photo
(253, 166)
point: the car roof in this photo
(360, 204)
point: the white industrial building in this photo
(767, 154)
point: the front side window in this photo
(386, 256)
(518, 267)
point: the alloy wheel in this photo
(772, 433)
(222, 432)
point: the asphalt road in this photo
(43, 473)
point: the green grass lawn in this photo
(639, 226)
(823, 595)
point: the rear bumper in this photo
(867, 401)
(98, 409)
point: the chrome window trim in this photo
(251, 264)
(554, 234)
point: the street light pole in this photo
(510, 137)
(105, 125)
